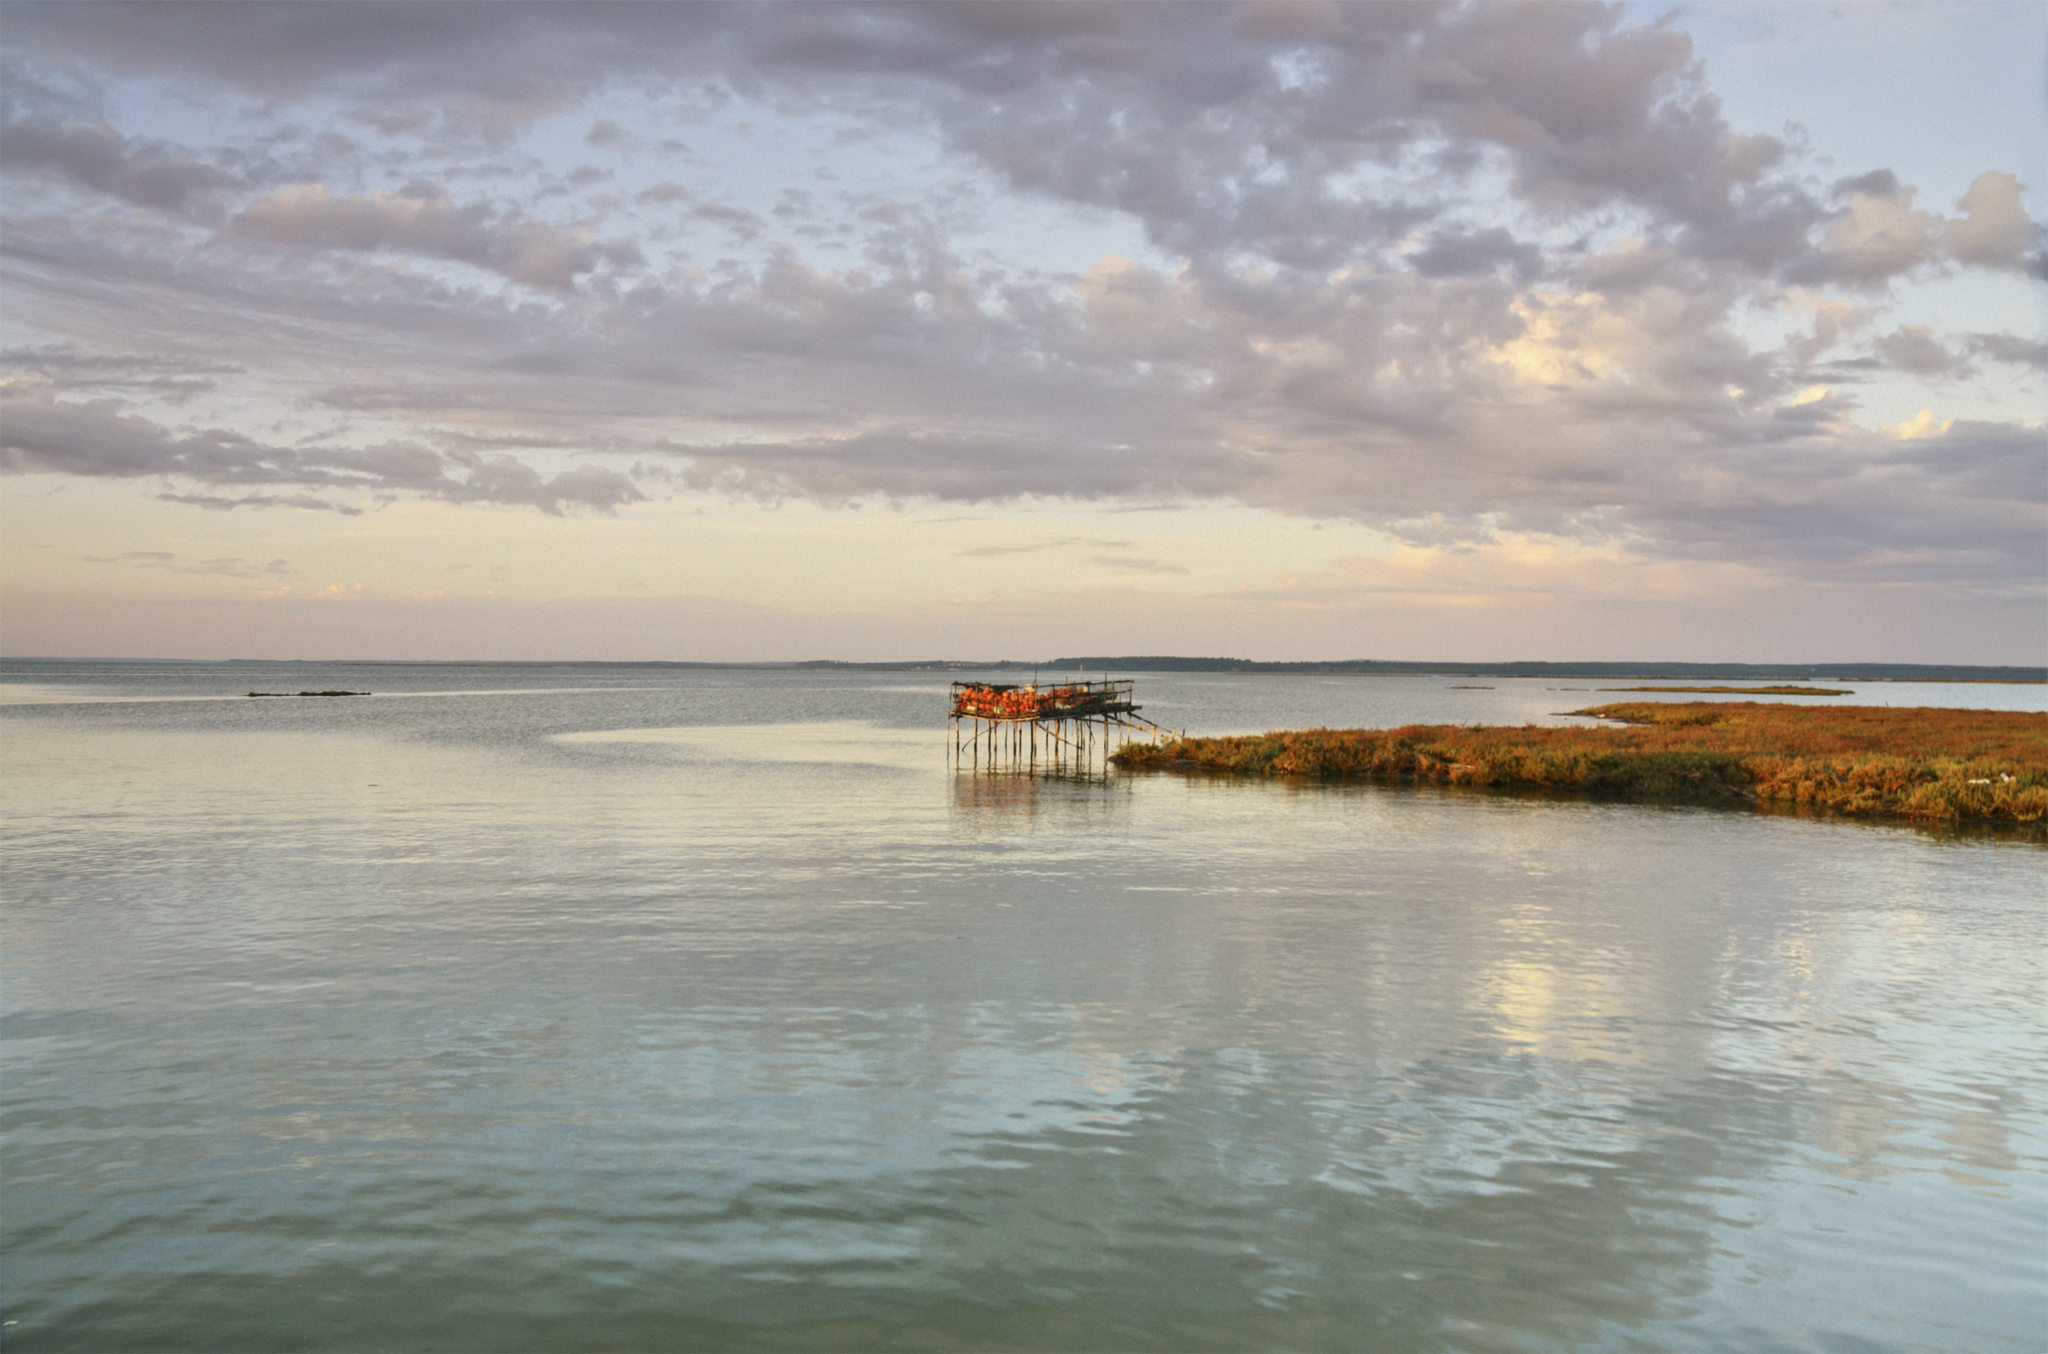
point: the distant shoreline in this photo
(1531, 670)
(1919, 765)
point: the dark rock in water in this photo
(310, 693)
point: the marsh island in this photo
(1864, 761)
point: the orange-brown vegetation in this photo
(1867, 761)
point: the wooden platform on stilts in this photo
(1069, 727)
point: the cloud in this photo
(2009, 348)
(1133, 564)
(225, 503)
(1064, 542)
(503, 479)
(1876, 235)
(57, 368)
(231, 567)
(1914, 348)
(422, 219)
(1449, 254)
(148, 173)
(1217, 139)
(1448, 270)
(95, 440)
(1921, 425)
(1994, 230)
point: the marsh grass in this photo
(1862, 761)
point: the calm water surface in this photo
(613, 1008)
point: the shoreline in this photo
(1907, 673)
(1928, 766)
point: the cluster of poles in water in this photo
(1070, 728)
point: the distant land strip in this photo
(1854, 672)
(1926, 765)
(1846, 672)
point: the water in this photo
(631, 1009)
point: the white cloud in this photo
(1994, 230)
(1921, 425)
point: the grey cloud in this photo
(1913, 348)
(2009, 348)
(1448, 254)
(413, 121)
(61, 367)
(151, 174)
(367, 399)
(503, 479)
(1829, 327)
(905, 463)
(1224, 129)
(1185, 115)
(1876, 183)
(1970, 505)
(231, 567)
(1435, 530)
(223, 503)
(744, 224)
(97, 440)
(94, 440)
(406, 67)
(1591, 108)
(1373, 397)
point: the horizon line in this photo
(1857, 670)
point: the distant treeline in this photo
(1853, 672)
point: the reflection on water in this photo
(840, 741)
(1017, 799)
(634, 1018)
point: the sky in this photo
(776, 332)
